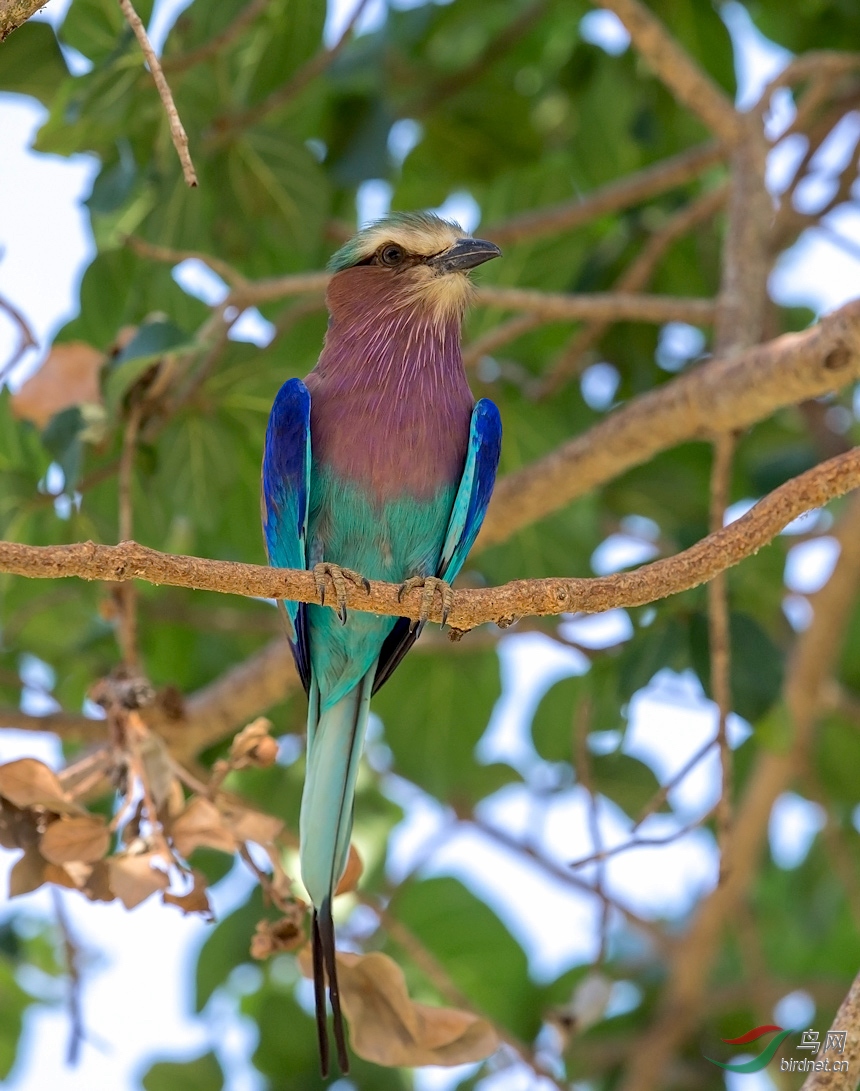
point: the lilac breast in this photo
(390, 405)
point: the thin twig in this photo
(126, 593)
(640, 842)
(659, 798)
(584, 772)
(649, 182)
(71, 950)
(226, 272)
(26, 340)
(177, 132)
(820, 67)
(506, 331)
(565, 876)
(718, 635)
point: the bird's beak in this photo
(464, 254)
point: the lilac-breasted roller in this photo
(380, 465)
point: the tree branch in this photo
(635, 188)
(74, 728)
(847, 1021)
(236, 697)
(473, 606)
(633, 279)
(687, 81)
(14, 13)
(558, 306)
(607, 306)
(718, 395)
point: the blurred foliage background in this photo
(512, 107)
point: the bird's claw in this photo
(429, 585)
(338, 577)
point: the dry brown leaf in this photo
(388, 1028)
(69, 376)
(62, 876)
(96, 885)
(249, 825)
(30, 783)
(201, 825)
(84, 838)
(18, 829)
(270, 937)
(133, 878)
(352, 872)
(254, 745)
(27, 874)
(195, 901)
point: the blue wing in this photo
(285, 492)
(467, 515)
(476, 488)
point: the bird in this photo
(380, 465)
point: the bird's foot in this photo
(430, 585)
(338, 577)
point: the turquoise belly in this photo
(390, 541)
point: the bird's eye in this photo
(391, 255)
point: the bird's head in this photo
(408, 259)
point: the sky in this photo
(145, 957)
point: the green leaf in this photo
(657, 646)
(95, 27)
(477, 951)
(287, 1051)
(106, 288)
(32, 62)
(148, 346)
(62, 437)
(435, 709)
(625, 780)
(556, 715)
(204, 1073)
(837, 759)
(227, 946)
(13, 1002)
(152, 340)
(757, 664)
(114, 184)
